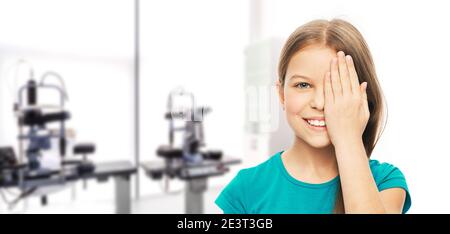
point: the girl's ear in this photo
(280, 90)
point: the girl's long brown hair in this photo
(340, 35)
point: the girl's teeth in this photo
(318, 123)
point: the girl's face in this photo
(303, 94)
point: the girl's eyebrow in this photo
(299, 76)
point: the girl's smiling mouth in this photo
(316, 123)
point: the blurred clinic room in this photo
(99, 99)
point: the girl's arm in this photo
(359, 189)
(346, 116)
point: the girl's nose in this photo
(318, 99)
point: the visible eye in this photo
(303, 85)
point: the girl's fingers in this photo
(343, 73)
(353, 75)
(329, 97)
(335, 80)
(363, 90)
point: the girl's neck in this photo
(309, 164)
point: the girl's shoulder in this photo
(388, 176)
(384, 170)
(258, 175)
(265, 168)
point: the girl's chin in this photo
(319, 143)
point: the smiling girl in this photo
(333, 103)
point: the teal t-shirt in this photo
(269, 189)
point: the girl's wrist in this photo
(348, 147)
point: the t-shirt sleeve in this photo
(231, 199)
(388, 176)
